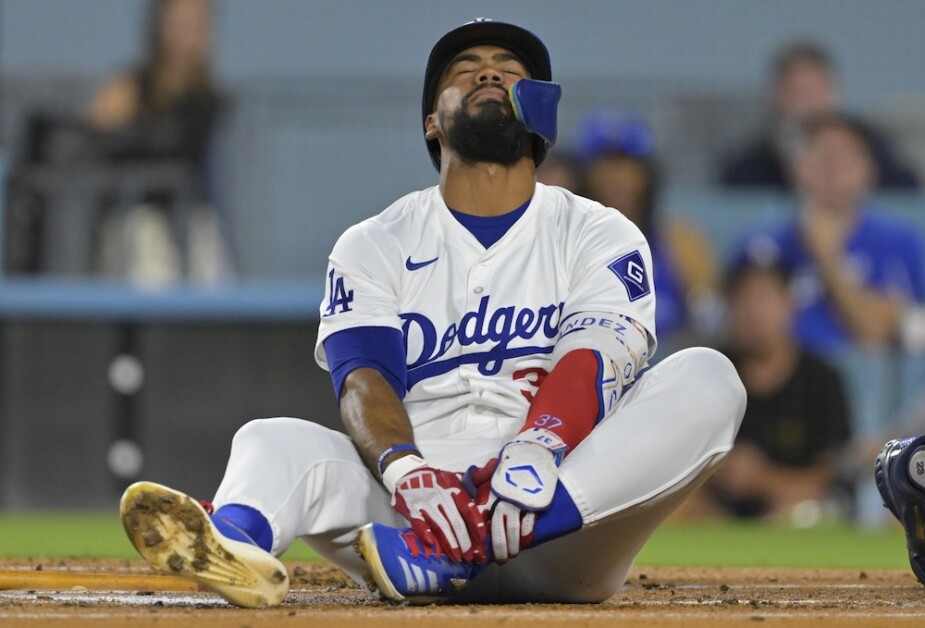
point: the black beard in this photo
(493, 135)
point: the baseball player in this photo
(488, 339)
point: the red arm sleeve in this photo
(568, 402)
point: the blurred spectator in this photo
(167, 106)
(619, 170)
(559, 169)
(855, 272)
(131, 174)
(803, 85)
(164, 110)
(796, 419)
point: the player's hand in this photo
(440, 510)
(511, 528)
(528, 469)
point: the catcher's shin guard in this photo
(900, 476)
(174, 533)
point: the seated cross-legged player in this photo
(488, 339)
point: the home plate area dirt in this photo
(663, 596)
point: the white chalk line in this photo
(737, 608)
(187, 600)
(178, 600)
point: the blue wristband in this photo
(391, 450)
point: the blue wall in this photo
(708, 42)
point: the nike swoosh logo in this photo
(418, 265)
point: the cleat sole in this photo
(174, 534)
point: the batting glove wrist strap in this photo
(548, 439)
(399, 468)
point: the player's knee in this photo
(720, 373)
(713, 378)
(273, 434)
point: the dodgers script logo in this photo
(496, 328)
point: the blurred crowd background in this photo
(175, 172)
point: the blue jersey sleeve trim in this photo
(380, 348)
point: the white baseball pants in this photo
(666, 436)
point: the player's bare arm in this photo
(375, 418)
(440, 510)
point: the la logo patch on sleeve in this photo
(631, 270)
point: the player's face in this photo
(478, 76)
(473, 115)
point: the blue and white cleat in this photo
(900, 475)
(403, 569)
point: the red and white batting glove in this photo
(511, 528)
(440, 510)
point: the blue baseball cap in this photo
(607, 131)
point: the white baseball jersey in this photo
(480, 325)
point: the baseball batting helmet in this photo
(481, 31)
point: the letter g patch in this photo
(631, 270)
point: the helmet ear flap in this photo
(536, 105)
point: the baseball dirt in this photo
(664, 596)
